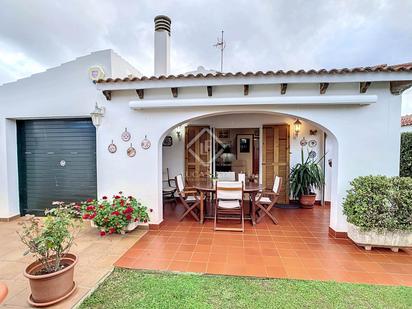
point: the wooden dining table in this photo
(207, 190)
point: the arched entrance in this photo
(172, 157)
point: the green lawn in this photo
(136, 289)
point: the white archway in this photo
(332, 146)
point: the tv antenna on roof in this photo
(221, 44)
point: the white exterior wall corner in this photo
(60, 92)
(367, 138)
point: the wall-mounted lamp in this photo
(97, 115)
(296, 126)
(179, 132)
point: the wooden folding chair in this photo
(229, 201)
(266, 199)
(189, 199)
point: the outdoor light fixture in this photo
(296, 125)
(97, 115)
(179, 133)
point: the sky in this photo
(259, 35)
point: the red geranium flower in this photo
(116, 197)
(112, 230)
(90, 207)
(129, 217)
(102, 233)
(89, 200)
(115, 213)
(85, 216)
(122, 202)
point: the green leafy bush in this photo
(50, 239)
(406, 155)
(380, 202)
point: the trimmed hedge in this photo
(380, 202)
(406, 155)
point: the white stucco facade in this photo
(362, 128)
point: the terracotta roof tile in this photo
(406, 120)
(404, 67)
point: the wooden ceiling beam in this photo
(174, 92)
(363, 86)
(107, 94)
(283, 88)
(397, 87)
(323, 87)
(140, 93)
(245, 89)
(209, 91)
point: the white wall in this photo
(60, 92)
(406, 129)
(356, 132)
(173, 157)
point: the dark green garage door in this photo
(57, 162)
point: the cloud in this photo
(260, 35)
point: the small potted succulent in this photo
(305, 178)
(379, 212)
(50, 240)
(118, 214)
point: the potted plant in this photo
(379, 212)
(118, 214)
(50, 240)
(305, 178)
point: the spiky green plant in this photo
(305, 177)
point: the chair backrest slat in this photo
(229, 190)
(226, 176)
(277, 184)
(180, 183)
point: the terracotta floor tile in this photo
(216, 268)
(183, 256)
(276, 272)
(299, 247)
(198, 267)
(200, 257)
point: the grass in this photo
(137, 289)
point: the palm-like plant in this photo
(305, 177)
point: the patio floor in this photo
(298, 248)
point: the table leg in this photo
(202, 207)
(253, 214)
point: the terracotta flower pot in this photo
(307, 201)
(51, 288)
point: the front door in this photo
(198, 142)
(275, 158)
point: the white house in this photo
(49, 148)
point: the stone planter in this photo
(386, 239)
(130, 227)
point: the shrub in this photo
(380, 202)
(305, 177)
(114, 214)
(406, 155)
(50, 240)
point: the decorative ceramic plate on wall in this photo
(126, 135)
(303, 142)
(112, 148)
(312, 154)
(131, 151)
(145, 143)
(312, 143)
